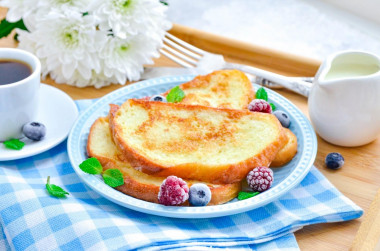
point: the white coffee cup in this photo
(19, 100)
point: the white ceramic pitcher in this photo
(344, 102)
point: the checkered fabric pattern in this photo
(30, 219)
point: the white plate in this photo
(57, 111)
(285, 178)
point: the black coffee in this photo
(12, 71)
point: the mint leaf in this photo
(54, 190)
(246, 195)
(113, 177)
(273, 106)
(6, 27)
(91, 166)
(14, 144)
(164, 2)
(175, 95)
(262, 94)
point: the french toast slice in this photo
(137, 184)
(283, 156)
(287, 152)
(222, 89)
(217, 145)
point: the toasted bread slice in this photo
(216, 145)
(283, 156)
(138, 184)
(287, 152)
(222, 89)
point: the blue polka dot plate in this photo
(285, 178)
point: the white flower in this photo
(74, 5)
(68, 42)
(27, 43)
(99, 44)
(124, 58)
(130, 17)
(97, 80)
(19, 9)
(33, 10)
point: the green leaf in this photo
(15, 37)
(262, 94)
(175, 95)
(54, 190)
(113, 177)
(14, 144)
(246, 195)
(91, 166)
(7, 27)
(164, 2)
(273, 106)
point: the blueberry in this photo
(283, 117)
(334, 161)
(34, 131)
(158, 98)
(199, 194)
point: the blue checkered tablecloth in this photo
(30, 219)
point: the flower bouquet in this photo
(88, 42)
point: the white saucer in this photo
(58, 112)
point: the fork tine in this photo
(176, 59)
(181, 50)
(180, 55)
(186, 45)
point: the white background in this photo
(312, 28)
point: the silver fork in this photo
(190, 56)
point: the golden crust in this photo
(222, 89)
(217, 174)
(288, 151)
(141, 185)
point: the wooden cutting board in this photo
(359, 179)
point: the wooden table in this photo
(359, 179)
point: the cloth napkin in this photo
(30, 219)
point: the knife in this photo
(155, 72)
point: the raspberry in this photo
(260, 179)
(259, 105)
(173, 191)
